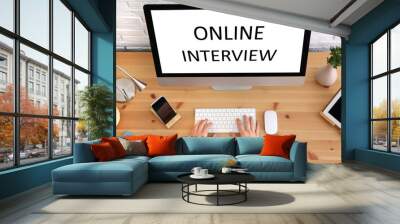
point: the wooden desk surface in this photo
(298, 107)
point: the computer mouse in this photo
(271, 122)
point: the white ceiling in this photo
(131, 24)
(320, 9)
(132, 31)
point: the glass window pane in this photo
(395, 138)
(34, 21)
(6, 74)
(395, 94)
(379, 135)
(379, 97)
(62, 29)
(33, 140)
(379, 56)
(81, 131)
(62, 138)
(395, 47)
(81, 81)
(81, 45)
(34, 72)
(6, 142)
(7, 14)
(62, 89)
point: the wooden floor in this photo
(379, 189)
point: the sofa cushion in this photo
(257, 163)
(277, 145)
(158, 145)
(103, 152)
(136, 147)
(249, 145)
(112, 171)
(116, 145)
(204, 145)
(185, 163)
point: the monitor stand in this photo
(231, 87)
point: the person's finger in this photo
(198, 128)
(257, 129)
(252, 125)
(201, 126)
(195, 130)
(239, 125)
(204, 131)
(246, 122)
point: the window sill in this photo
(17, 169)
(381, 159)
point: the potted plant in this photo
(96, 102)
(328, 75)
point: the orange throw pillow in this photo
(116, 145)
(161, 145)
(277, 145)
(103, 152)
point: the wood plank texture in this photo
(298, 107)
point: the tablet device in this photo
(164, 111)
(333, 110)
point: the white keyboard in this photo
(223, 119)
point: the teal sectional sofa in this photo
(125, 176)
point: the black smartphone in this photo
(165, 112)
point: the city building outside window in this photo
(30, 87)
(37, 74)
(43, 90)
(3, 72)
(37, 89)
(44, 77)
(3, 78)
(30, 72)
(3, 61)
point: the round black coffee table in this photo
(238, 179)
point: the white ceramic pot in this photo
(327, 76)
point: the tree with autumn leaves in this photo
(380, 128)
(33, 131)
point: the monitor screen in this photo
(189, 42)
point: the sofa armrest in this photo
(83, 152)
(298, 155)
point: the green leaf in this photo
(335, 57)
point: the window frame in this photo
(388, 74)
(16, 114)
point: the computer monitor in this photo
(194, 46)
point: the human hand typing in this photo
(248, 127)
(200, 129)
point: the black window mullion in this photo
(371, 92)
(16, 134)
(89, 51)
(73, 82)
(389, 100)
(50, 81)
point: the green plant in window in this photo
(335, 57)
(97, 110)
